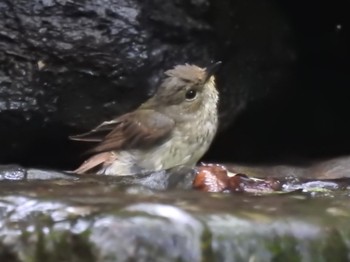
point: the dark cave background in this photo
(309, 120)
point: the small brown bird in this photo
(174, 127)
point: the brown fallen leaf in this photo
(211, 178)
(216, 178)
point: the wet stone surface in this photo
(99, 218)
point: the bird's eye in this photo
(191, 94)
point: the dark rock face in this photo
(67, 66)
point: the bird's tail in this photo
(95, 161)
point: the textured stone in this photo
(66, 66)
(104, 220)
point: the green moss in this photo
(61, 246)
(284, 249)
(6, 254)
(329, 246)
(334, 247)
(206, 246)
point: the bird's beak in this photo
(212, 69)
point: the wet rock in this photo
(12, 172)
(174, 178)
(15, 173)
(180, 232)
(333, 168)
(38, 174)
(97, 220)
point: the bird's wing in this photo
(138, 129)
